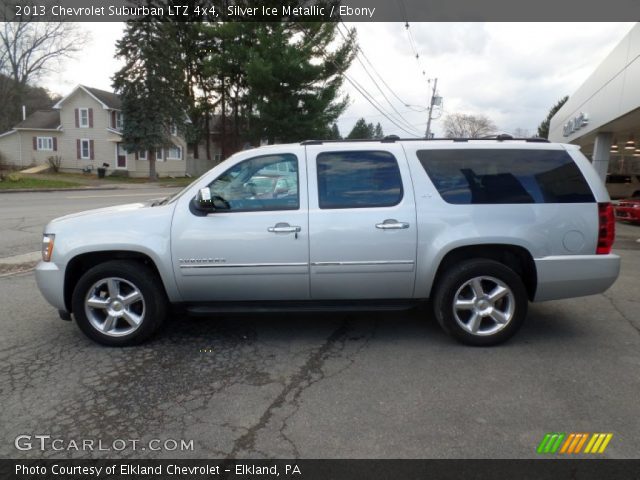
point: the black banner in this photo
(319, 469)
(320, 10)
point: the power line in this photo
(376, 72)
(400, 116)
(372, 101)
(412, 42)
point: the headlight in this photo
(47, 246)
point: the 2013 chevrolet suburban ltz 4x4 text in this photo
(479, 227)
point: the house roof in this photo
(41, 119)
(108, 100)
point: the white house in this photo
(85, 130)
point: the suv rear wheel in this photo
(119, 303)
(480, 302)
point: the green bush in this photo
(14, 177)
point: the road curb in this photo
(17, 269)
(79, 189)
(82, 189)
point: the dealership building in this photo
(603, 115)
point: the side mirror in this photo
(205, 202)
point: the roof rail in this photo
(395, 138)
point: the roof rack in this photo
(395, 138)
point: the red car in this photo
(628, 210)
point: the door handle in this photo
(392, 224)
(284, 228)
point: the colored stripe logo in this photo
(573, 443)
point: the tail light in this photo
(606, 228)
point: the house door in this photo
(121, 156)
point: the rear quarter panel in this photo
(542, 229)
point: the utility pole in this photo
(433, 96)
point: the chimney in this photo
(24, 112)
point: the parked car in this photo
(622, 186)
(480, 227)
(628, 210)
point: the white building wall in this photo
(610, 92)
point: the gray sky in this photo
(511, 72)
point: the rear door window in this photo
(485, 176)
(358, 179)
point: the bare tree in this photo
(462, 125)
(30, 49)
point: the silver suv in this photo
(479, 227)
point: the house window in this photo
(84, 117)
(119, 121)
(174, 153)
(160, 155)
(85, 149)
(174, 130)
(45, 143)
(217, 157)
(142, 155)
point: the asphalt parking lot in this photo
(385, 385)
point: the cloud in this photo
(511, 72)
(438, 39)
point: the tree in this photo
(30, 47)
(334, 133)
(294, 74)
(151, 103)
(377, 132)
(543, 128)
(35, 98)
(28, 50)
(362, 130)
(461, 125)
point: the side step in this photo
(301, 306)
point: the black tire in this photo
(453, 284)
(151, 309)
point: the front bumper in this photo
(568, 276)
(50, 280)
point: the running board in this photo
(301, 306)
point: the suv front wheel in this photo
(119, 303)
(480, 302)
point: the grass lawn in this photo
(72, 180)
(29, 182)
(93, 180)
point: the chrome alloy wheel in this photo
(114, 307)
(484, 305)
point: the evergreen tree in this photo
(543, 128)
(377, 132)
(293, 80)
(362, 130)
(151, 85)
(334, 132)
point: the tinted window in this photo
(358, 180)
(263, 183)
(505, 176)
